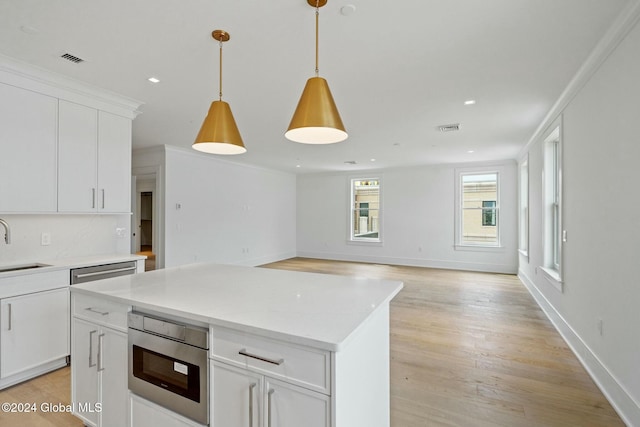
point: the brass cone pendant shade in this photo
(219, 133)
(316, 119)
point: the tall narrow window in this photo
(480, 209)
(365, 210)
(524, 208)
(553, 202)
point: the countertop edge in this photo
(212, 321)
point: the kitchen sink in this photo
(22, 267)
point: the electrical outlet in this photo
(120, 231)
(45, 239)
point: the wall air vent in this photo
(449, 128)
(71, 58)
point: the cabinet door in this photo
(113, 368)
(77, 158)
(291, 406)
(114, 163)
(236, 396)
(35, 330)
(84, 372)
(28, 137)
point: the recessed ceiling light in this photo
(297, 166)
(470, 151)
(470, 102)
(153, 80)
(373, 160)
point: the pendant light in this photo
(316, 119)
(219, 133)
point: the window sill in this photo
(553, 277)
(478, 248)
(362, 242)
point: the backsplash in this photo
(69, 236)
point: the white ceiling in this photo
(397, 69)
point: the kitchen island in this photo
(285, 348)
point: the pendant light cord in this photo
(220, 82)
(317, 21)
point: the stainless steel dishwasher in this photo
(104, 271)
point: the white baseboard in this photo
(621, 401)
(413, 262)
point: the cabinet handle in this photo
(100, 348)
(91, 365)
(93, 310)
(251, 387)
(103, 198)
(244, 352)
(10, 316)
(269, 406)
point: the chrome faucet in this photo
(7, 231)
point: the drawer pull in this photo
(93, 310)
(278, 362)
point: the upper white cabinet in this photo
(28, 144)
(94, 160)
(114, 163)
(65, 146)
(77, 158)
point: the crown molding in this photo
(21, 74)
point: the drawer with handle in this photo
(304, 366)
(100, 311)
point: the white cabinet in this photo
(35, 330)
(114, 163)
(77, 158)
(291, 406)
(261, 382)
(148, 414)
(94, 160)
(28, 137)
(99, 362)
(236, 396)
(244, 398)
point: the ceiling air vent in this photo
(449, 128)
(71, 58)
(351, 162)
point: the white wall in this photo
(229, 213)
(601, 214)
(71, 236)
(418, 219)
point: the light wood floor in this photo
(467, 349)
(474, 349)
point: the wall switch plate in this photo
(45, 239)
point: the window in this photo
(553, 203)
(365, 210)
(479, 207)
(489, 213)
(524, 208)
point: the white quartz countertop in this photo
(320, 310)
(67, 263)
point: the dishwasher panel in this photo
(98, 272)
